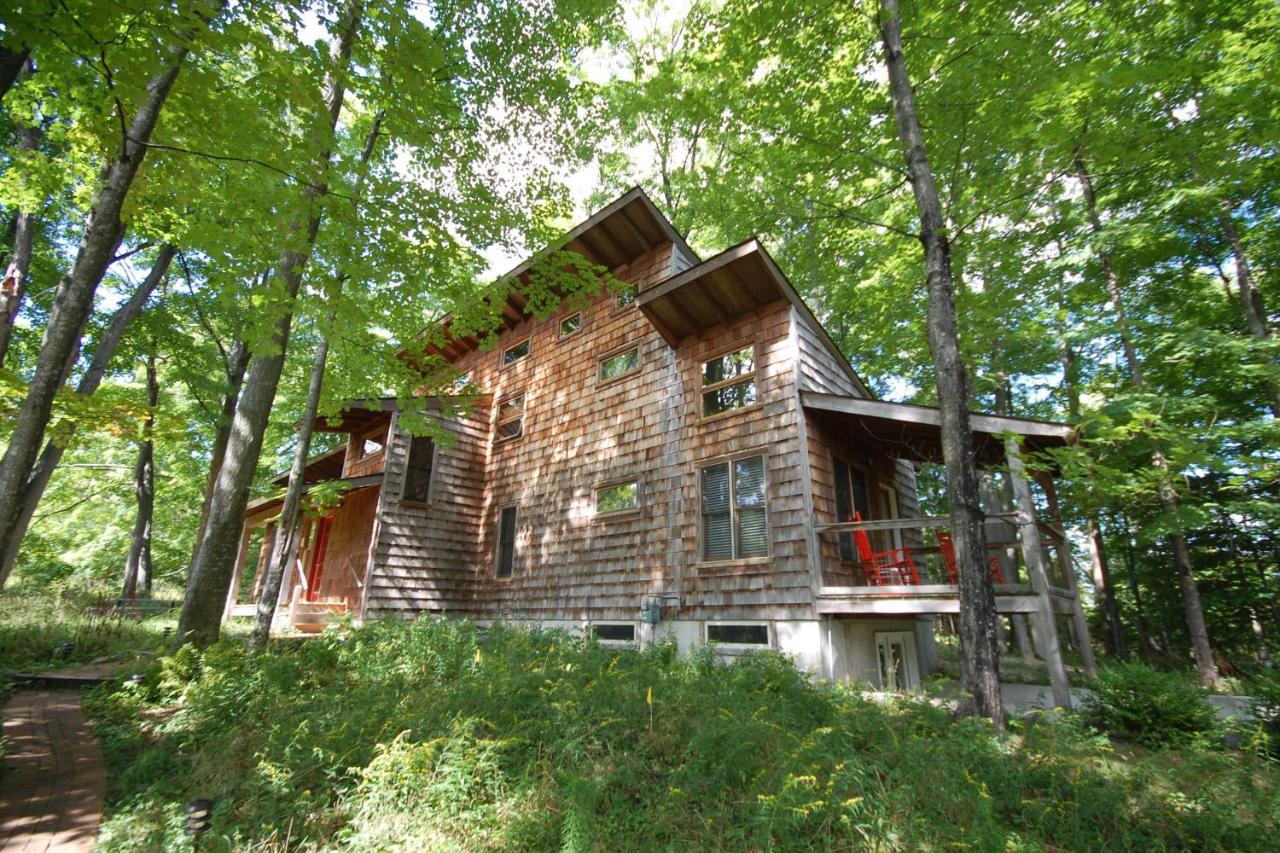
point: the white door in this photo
(896, 657)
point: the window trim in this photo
(503, 364)
(614, 353)
(614, 513)
(561, 335)
(629, 286)
(621, 644)
(431, 481)
(753, 377)
(869, 484)
(751, 559)
(499, 421)
(770, 634)
(497, 543)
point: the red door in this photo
(317, 557)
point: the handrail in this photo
(899, 523)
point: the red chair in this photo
(947, 547)
(886, 568)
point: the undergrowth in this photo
(39, 634)
(423, 735)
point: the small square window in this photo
(614, 632)
(739, 635)
(570, 324)
(371, 445)
(627, 295)
(619, 364)
(462, 383)
(729, 382)
(511, 417)
(619, 497)
(515, 353)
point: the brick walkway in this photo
(51, 792)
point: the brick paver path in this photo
(51, 792)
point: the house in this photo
(690, 457)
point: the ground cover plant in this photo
(430, 734)
(43, 633)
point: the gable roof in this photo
(614, 235)
(739, 280)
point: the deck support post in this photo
(241, 555)
(1044, 627)
(1080, 624)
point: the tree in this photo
(138, 566)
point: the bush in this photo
(1264, 689)
(426, 735)
(1140, 704)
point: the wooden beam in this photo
(906, 413)
(1044, 626)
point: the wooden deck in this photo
(926, 599)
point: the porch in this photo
(875, 563)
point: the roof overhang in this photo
(613, 236)
(734, 284)
(915, 432)
(263, 505)
(326, 466)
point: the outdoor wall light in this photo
(198, 814)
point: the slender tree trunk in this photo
(979, 654)
(38, 481)
(210, 580)
(1146, 641)
(1197, 631)
(1255, 312)
(284, 544)
(138, 564)
(237, 364)
(14, 286)
(1001, 497)
(74, 300)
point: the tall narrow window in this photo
(511, 417)
(507, 542)
(734, 512)
(417, 472)
(851, 497)
(729, 382)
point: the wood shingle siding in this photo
(820, 369)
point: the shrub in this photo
(1264, 689)
(1140, 704)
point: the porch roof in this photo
(260, 506)
(915, 432)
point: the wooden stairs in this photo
(311, 617)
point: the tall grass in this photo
(422, 735)
(47, 633)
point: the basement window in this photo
(511, 417)
(619, 364)
(614, 632)
(620, 497)
(729, 382)
(417, 472)
(570, 324)
(739, 634)
(515, 353)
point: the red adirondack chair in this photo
(884, 568)
(947, 547)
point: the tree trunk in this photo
(14, 286)
(1147, 647)
(237, 364)
(979, 654)
(1201, 649)
(138, 564)
(210, 578)
(33, 488)
(11, 62)
(1255, 312)
(74, 300)
(285, 542)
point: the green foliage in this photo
(1141, 704)
(431, 734)
(33, 630)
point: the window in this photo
(614, 632)
(515, 353)
(851, 497)
(619, 364)
(733, 510)
(570, 324)
(627, 295)
(462, 383)
(511, 417)
(729, 382)
(739, 635)
(417, 472)
(507, 542)
(616, 498)
(371, 445)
